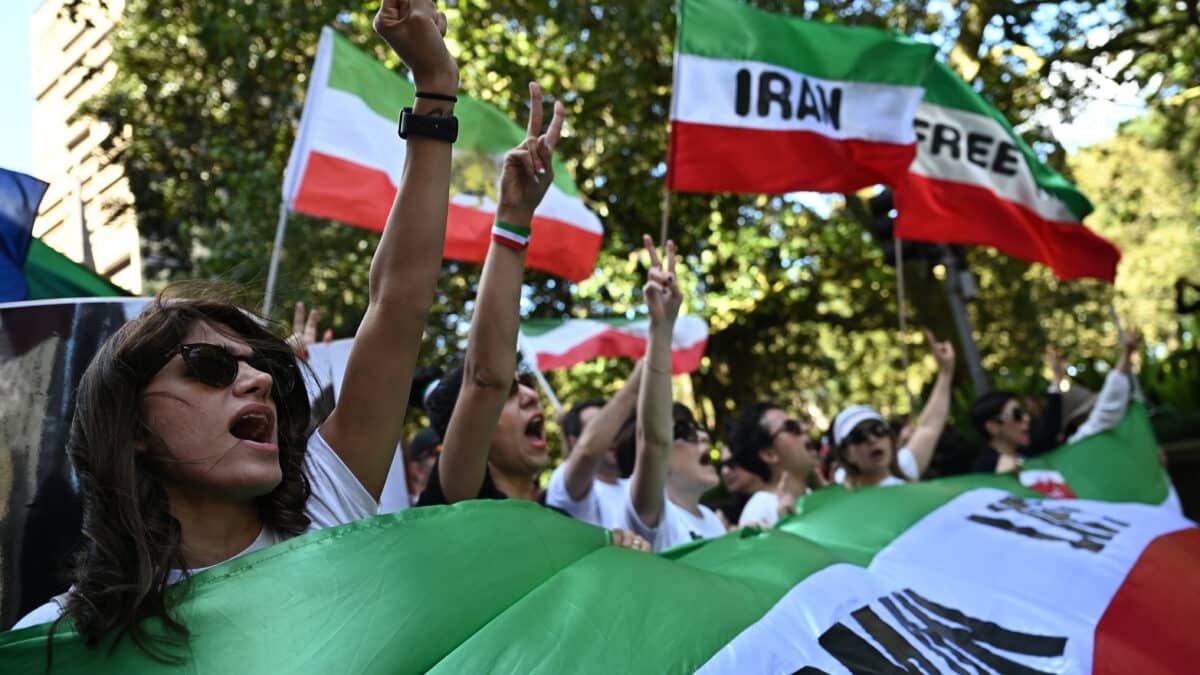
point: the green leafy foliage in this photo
(801, 305)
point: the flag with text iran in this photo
(347, 161)
(765, 103)
(975, 181)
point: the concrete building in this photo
(84, 187)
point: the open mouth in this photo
(877, 453)
(535, 432)
(256, 426)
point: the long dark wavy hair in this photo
(130, 540)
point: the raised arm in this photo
(368, 421)
(933, 416)
(1043, 437)
(655, 432)
(1114, 396)
(491, 359)
(597, 438)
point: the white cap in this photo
(851, 417)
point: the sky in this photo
(16, 114)
(1097, 121)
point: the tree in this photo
(800, 304)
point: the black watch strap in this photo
(428, 126)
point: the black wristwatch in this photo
(428, 126)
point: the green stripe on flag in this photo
(481, 126)
(729, 30)
(508, 586)
(878, 515)
(50, 275)
(1120, 465)
(945, 88)
(539, 327)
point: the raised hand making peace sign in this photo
(662, 288)
(528, 171)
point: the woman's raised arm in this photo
(368, 421)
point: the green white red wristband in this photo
(512, 236)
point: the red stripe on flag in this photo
(342, 190)
(555, 246)
(708, 158)
(614, 343)
(358, 195)
(1149, 626)
(946, 211)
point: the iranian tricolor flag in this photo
(974, 574)
(770, 103)
(347, 161)
(562, 343)
(975, 181)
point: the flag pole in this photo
(273, 270)
(531, 363)
(666, 216)
(902, 310)
(1137, 384)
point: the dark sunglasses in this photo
(1017, 415)
(687, 431)
(865, 433)
(729, 463)
(214, 366)
(523, 379)
(790, 426)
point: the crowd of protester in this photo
(194, 440)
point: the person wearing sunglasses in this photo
(867, 449)
(1010, 432)
(191, 437)
(672, 467)
(766, 436)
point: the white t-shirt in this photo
(337, 498)
(676, 526)
(762, 507)
(603, 505)
(1109, 409)
(904, 459)
(395, 495)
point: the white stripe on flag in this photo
(298, 158)
(563, 338)
(977, 150)
(371, 140)
(706, 92)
